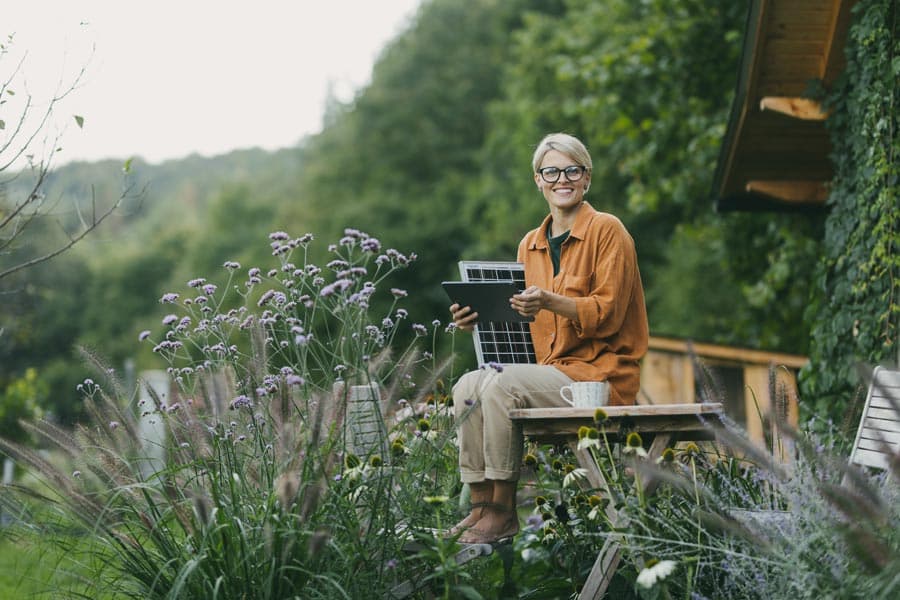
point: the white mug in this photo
(586, 394)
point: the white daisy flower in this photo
(656, 571)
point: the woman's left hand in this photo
(528, 302)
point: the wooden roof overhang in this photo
(775, 153)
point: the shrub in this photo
(264, 489)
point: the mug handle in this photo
(562, 392)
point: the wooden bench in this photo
(663, 425)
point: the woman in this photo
(590, 324)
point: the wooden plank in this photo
(742, 355)
(870, 459)
(614, 412)
(798, 108)
(887, 378)
(883, 425)
(888, 402)
(756, 401)
(602, 572)
(878, 445)
(799, 192)
(662, 378)
(887, 418)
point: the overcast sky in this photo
(168, 78)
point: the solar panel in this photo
(504, 343)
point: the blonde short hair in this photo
(569, 145)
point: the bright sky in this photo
(171, 77)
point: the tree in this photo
(29, 137)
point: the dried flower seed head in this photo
(691, 449)
(540, 501)
(424, 425)
(568, 468)
(317, 541)
(600, 416)
(397, 448)
(557, 465)
(593, 434)
(286, 488)
(375, 461)
(594, 500)
(352, 461)
(668, 456)
(530, 460)
(435, 501)
(634, 440)
(583, 432)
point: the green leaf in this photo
(127, 166)
(79, 120)
(2, 124)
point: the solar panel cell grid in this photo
(504, 343)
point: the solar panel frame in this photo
(501, 342)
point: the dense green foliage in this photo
(855, 311)
(434, 154)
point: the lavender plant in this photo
(263, 491)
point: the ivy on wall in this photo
(854, 316)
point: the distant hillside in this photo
(176, 189)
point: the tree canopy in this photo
(433, 158)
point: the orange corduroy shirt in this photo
(598, 268)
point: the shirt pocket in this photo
(576, 286)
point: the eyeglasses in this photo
(573, 173)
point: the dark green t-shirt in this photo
(555, 244)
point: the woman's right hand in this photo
(463, 317)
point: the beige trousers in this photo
(490, 446)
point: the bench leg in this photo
(602, 572)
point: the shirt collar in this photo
(578, 231)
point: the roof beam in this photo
(798, 108)
(800, 192)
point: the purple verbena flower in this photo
(241, 401)
(370, 245)
(143, 335)
(279, 236)
(168, 298)
(194, 283)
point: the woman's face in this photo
(562, 193)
